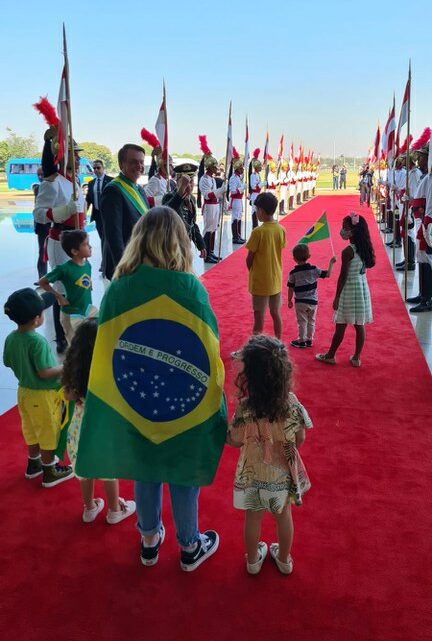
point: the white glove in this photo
(220, 191)
(63, 212)
(405, 198)
(263, 184)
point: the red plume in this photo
(235, 153)
(47, 110)
(420, 142)
(256, 153)
(204, 146)
(149, 138)
(296, 160)
(269, 157)
(404, 146)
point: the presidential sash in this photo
(133, 195)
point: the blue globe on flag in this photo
(161, 369)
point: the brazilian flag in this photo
(155, 409)
(67, 411)
(318, 231)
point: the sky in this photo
(321, 73)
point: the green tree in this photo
(94, 151)
(21, 147)
(4, 154)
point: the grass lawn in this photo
(325, 180)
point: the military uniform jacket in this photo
(187, 212)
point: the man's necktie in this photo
(98, 191)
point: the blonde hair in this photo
(158, 239)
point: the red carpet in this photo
(362, 543)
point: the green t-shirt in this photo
(76, 279)
(26, 353)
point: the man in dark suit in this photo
(94, 196)
(123, 202)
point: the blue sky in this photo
(322, 73)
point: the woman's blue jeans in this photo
(184, 505)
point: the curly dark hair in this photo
(361, 239)
(76, 367)
(266, 377)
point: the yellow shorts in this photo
(260, 303)
(40, 412)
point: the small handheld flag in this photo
(319, 231)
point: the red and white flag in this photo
(63, 126)
(246, 153)
(390, 131)
(403, 117)
(161, 126)
(376, 144)
(266, 148)
(281, 148)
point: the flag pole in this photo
(406, 203)
(330, 235)
(69, 114)
(246, 175)
(166, 137)
(222, 205)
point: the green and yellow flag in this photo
(319, 231)
(155, 409)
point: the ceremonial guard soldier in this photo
(236, 192)
(55, 202)
(272, 181)
(157, 185)
(255, 183)
(283, 181)
(414, 177)
(292, 179)
(212, 197)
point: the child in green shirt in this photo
(75, 276)
(30, 357)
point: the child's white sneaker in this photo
(284, 568)
(127, 508)
(255, 568)
(89, 515)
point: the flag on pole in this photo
(266, 147)
(391, 129)
(403, 117)
(246, 153)
(62, 111)
(281, 148)
(161, 127)
(319, 231)
(155, 408)
(291, 156)
(376, 144)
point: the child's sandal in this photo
(324, 358)
(284, 568)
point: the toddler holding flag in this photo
(302, 284)
(352, 303)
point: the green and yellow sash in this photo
(130, 191)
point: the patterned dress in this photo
(270, 472)
(355, 303)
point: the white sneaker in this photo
(90, 515)
(255, 568)
(127, 508)
(284, 568)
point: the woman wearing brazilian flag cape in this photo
(155, 410)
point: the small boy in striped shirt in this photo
(302, 285)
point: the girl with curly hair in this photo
(269, 425)
(76, 371)
(352, 302)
